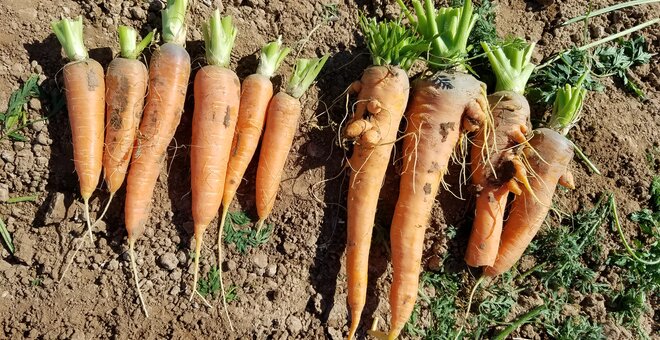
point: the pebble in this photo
(4, 192)
(42, 138)
(168, 261)
(113, 265)
(175, 290)
(35, 104)
(294, 325)
(271, 270)
(138, 13)
(289, 248)
(260, 260)
(232, 265)
(56, 210)
(8, 156)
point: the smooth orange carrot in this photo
(169, 72)
(382, 95)
(126, 87)
(282, 118)
(256, 93)
(548, 155)
(217, 99)
(85, 100)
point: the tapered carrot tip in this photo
(198, 250)
(567, 181)
(380, 335)
(260, 224)
(131, 246)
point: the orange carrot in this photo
(548, 155)
(256, 93)
(85, 99)
(126, 87)
(168, 81)
(217, 97)
(282, 118)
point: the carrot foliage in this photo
(219, 37)
(130, 48)
(272, 55)
(391, 44)
(511, 62)
(304, 75)
(70, 34)
(174, 22)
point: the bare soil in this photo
(293, 286)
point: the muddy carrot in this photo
(282, 118)
(382, 95)
(169, 71)
(85, 100)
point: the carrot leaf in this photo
(391, 44)
(130, 48)
(568, 106)
(304, 75)
(447, 29)
(511, 62)
(6, 236)
(219, 37)
(70, 34)
(174, 22)
(272, 55)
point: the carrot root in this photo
(105, 209)
(380, 335)
(131, 253)
(223, 218)
(260, 225)
(75, 252)
(198, 250)
(469, 305)
(87, 220)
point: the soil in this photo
(293, 286)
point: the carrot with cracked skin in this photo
(282, 117)
(126, 87)
(169, 72)
(497, 168)
(256, 93)
(382, 95)
(217, 98)
(85, 100)
(443, 106)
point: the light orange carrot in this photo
(549, 155)
(85, 99)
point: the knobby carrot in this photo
(256, 93)
(169, 72)
(282, 118)
(85, 100)
(382, 95)
(496, 164)
(217, 97)
(443, 106)
(126, 87)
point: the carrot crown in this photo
(174, 22)
(391, 44)
(304, 75)
(447, 30)
(70, 34)
(271, 57)
(567, 109)
(129, 46)
(511, 64)
(219, 37)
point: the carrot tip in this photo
(87, 220)
(131, 246)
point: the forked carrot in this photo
(282, 118)
(85, 100)
(169, 71)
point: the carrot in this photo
(382, 95)
(168, 81)
(126, 87)
(217, 97)
(85, 99)
(496, 165)
(442, 106)
(256, 93)
(282, 118)
(549, 154)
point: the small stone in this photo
(289, 248)
(232, 265)
(78, 335)
(56, 210)
(8, 156)
(25, 246)
(175, 290)
(4, 265)
(294, 325)
(435, 263)
(113, 265)
(42, 138)
(260, 260)
(4, 192)
(17, 69)
(35, 104)
(168, 261)
(138, 13)
(271, 270)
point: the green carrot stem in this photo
(174, 22)
(392, 44)
(525, 318)
(70, 34)
(272, 55)
(219, 37)
(129, 46)
(304, 75)
(511, 63)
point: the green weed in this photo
(209, 286)
(244, 239)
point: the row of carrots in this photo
(138, 111)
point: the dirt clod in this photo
(56, 209)
(168, 261)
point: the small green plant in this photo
(232, 294)
(6, 236)
(244, 239)
(618, 60)
(209, 286)
(15, 118)
(36, 282)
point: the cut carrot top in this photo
(511, 64)
(70, 34)
(129, 46)
(271, 57)
(304, 75)
(391, 44)
(219, 37)
(174, 18)
(568, 106)
(447, 29)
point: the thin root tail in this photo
(198, 250)
(131, 246)
(87, 220)
(260, 225)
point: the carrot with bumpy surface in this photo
(497, 168)
(282, 118)
(126, 87)
(442, 106)
(85, 101)
(169, 73)
(382, 95)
